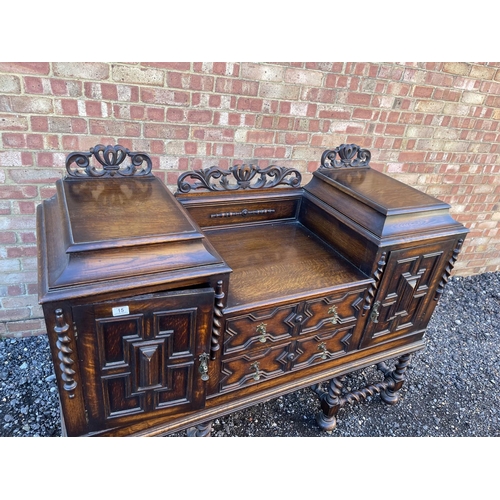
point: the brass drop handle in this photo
(335, 317)
(255, 366)
(203, 369)
(375, 312)
(261, 330)
(322, 347)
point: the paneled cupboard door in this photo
(144, 355)
(404, 301)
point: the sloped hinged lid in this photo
(382, 205)
(112, 221)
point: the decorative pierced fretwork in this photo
(448, 270)
(350, 155)
(374, 286)
(110, 159)
(217, 321)
(64, 355)
(244, 176)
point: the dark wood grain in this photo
(165, 312)
(279, 261)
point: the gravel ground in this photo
(452, 389)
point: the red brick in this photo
(7, 237)
(411, 156)
(196, 116)
(33, 85)
(38, 68)
(362, 113)
(79, 126)
(247, 104)
(214, 101)
(291, 138)
(258, 136)
(179, 66)
(156, 114)
(27, 251)
(69, 107)
(358, 98)
(14, 140)
(9, 192)
(39, 123)
(34, 141)
(175, 114)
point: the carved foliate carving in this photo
(110, 159)
(239, 177)
(346, 155)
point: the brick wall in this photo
(434, 126)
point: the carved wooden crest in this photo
(239, 177)
(109, 159)
(346, 155)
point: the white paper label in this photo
(120, 311)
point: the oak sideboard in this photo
(165, 311)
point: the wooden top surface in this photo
(117, 212)
(380, 191)
(279, 261)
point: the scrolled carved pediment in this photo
(109, 159)
(238, 177)
(346, 155)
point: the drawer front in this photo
(255, 367)
(259, 328)
(332, 311)
(323, 347)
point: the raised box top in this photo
(113, 227)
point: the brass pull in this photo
(322, 347)
(335, 318)
(203, 369)
(255, 366)
(261, 330)
(375, 312)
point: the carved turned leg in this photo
(332, 399)
(395, 379)
(330, 405)
(200, 430)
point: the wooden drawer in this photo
(332, 311)
(259, 328)
(322, 347)
(254, 367)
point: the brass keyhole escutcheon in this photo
(255, 366)
(335, 317)
(262, 332)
